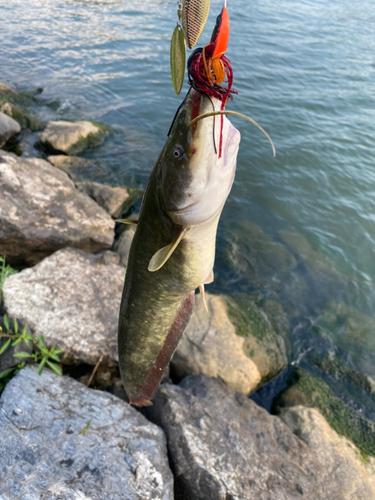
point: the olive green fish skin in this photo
(156, 306)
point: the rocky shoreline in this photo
(203, 438)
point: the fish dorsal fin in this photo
(201, 289)
(127, 221)
(159, 258)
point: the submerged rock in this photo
(115, 200)
(222, 445)
(72, 298)
(72, 137)
(42, 211)
(251, 255)
(78, 168)
(8, 128)
(350, 330)
(60, 440)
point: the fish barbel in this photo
(173, 249)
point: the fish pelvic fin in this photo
(159, 258)
(127, 221)
(201, 289)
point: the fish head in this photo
(193, 181)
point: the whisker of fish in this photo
(240, 115)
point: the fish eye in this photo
(177, 152)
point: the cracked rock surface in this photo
(61, 440)
(42, 211)
(223, 446)
(72, 298)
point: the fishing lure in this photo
(192, 18)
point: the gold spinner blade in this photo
(193, 18)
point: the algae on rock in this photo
(262, 344)
(308, 390)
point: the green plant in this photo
(40, 353)
(5, 271)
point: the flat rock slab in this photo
(341, 459)
(42, 211)
(46, 453)
(223, 446)
(229, 343)
(8, 128)
(71, 137)
(72, 298)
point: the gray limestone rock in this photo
(8, 128)
(42, 211)
(123, 244)
(71, 137)
(79, 169)
(72, 298)
(115, 200)
(223, 446)
(62, 441)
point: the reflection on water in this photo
(299, 228)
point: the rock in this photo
(351, 331)
(122, 245)
(115, 200)
(25, 120)
(72, 298)
(41, 211)
(262, 344)
(60, 440)
(234, 342)
(210, 346)
(306, 252)
(252, 255)
(8, 128)
(71, 137)
(223, 446)
(340, 458)
(78, 168)
(310, 391)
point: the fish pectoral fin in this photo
(210, 278)
(127, 221)
(159, 258)
(201, 289)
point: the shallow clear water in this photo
(304, 70)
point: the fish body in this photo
(173, 249)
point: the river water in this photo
(306, 72)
